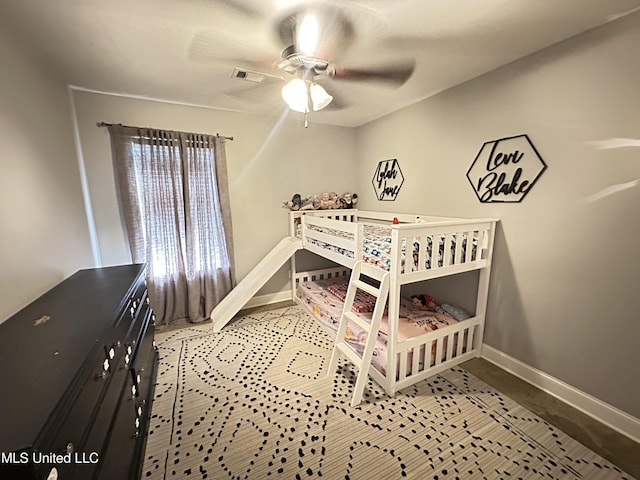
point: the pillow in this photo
(456, 312)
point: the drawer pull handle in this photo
(134, 390)
(105, 368)
(112, 353)
(140, 408)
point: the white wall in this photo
(564, 293)
(268, 161)
(44, 234)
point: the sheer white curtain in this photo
(174, 197)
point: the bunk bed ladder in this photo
(348, 315)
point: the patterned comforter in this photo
(376, 247)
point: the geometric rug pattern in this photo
(255, 402)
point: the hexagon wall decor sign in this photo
(505, 170)
(387, 180)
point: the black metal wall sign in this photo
(387, 180)
(505, 169)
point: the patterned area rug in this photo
(255, 401)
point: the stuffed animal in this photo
(348, 200)
(311, 203)
(295, 203)
(335, 200)
(327, 201)
(424, 301)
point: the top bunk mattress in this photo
(377, 242)
(376, 248)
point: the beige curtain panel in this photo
(174, 198)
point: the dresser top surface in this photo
(46, 344)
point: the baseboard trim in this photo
(268, 299)
(610, 416)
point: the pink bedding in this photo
(324, 299)
(363, 302)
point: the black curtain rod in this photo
(104, 124)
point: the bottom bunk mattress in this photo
(324, 299)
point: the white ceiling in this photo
(185, 50)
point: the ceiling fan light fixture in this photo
(296, 96)
(300, 95)
(319, 97)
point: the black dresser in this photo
(77, 370)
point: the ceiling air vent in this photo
(248, 75)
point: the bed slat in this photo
(415, 360)
(469, 250)
(422, 256)
(460, 343)
(460, 239)
(450, 344)
(402, 366)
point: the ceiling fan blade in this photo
(395, 75)
(214, 47)
(243, 8)
(258, 94)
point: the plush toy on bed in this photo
(348, 200)
(298, 202)
(428, 303)
(329, 201)
(295, 203)
(425, 301)
(311, 203)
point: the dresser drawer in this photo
(68, 433)
(142, 355)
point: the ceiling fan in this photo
(315, 35)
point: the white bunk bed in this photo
(416, 249)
